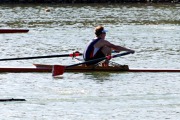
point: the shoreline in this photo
(86, 1)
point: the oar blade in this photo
(58, 70)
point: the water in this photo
(152, 30)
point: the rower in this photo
(99, 47)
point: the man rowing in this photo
(99, 47)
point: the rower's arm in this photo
(117, 47)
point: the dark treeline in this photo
(89, 1)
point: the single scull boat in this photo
(14, 30)
(39, 68)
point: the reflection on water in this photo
(98, 76)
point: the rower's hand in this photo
(115, 51)
(132, 51)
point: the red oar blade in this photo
(58, 70)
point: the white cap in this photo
(104, 31)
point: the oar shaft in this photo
(122, 54)
(12, 99)
(47, 56)
(86, 62)
(100, 59)
(59, 69)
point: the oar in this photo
(47, 56)
(12, 99)
(59, 69)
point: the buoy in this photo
(47, 10)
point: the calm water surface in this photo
(153, 31)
